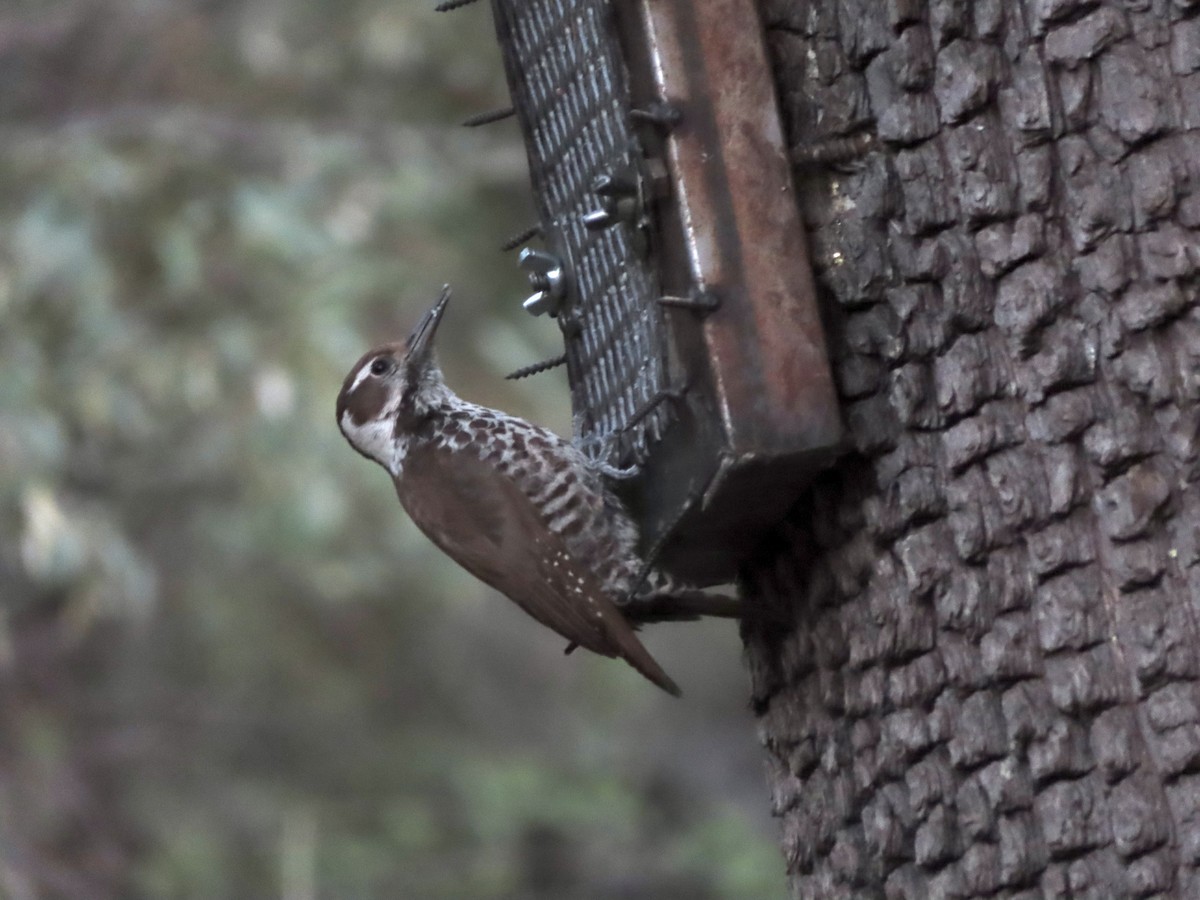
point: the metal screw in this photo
(701, 301)
(620, 197)
(546, 277)
(523, 237)
(833, 152)
(662, 113)
(599, 219)
(538, 367)
(491, 115)
(618, 185)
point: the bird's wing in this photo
(486, 524)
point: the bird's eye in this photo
(380, 366)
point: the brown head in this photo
(390, 388)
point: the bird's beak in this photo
(420, 342)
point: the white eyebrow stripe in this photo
(360, 377)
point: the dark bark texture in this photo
(991, 681)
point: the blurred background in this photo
(229, 665)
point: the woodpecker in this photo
(514, 504)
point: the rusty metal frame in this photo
(761, 355)
(752, 413)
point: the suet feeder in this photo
(673, 258)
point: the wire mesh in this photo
(570, 90)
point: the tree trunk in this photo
(989, 685)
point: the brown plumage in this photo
(486, 524)
(511, 502)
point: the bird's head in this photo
(390, 389)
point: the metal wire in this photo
(570, 91)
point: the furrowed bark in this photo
(989, 686)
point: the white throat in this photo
(378, 440)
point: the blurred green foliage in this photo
(229, 666)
